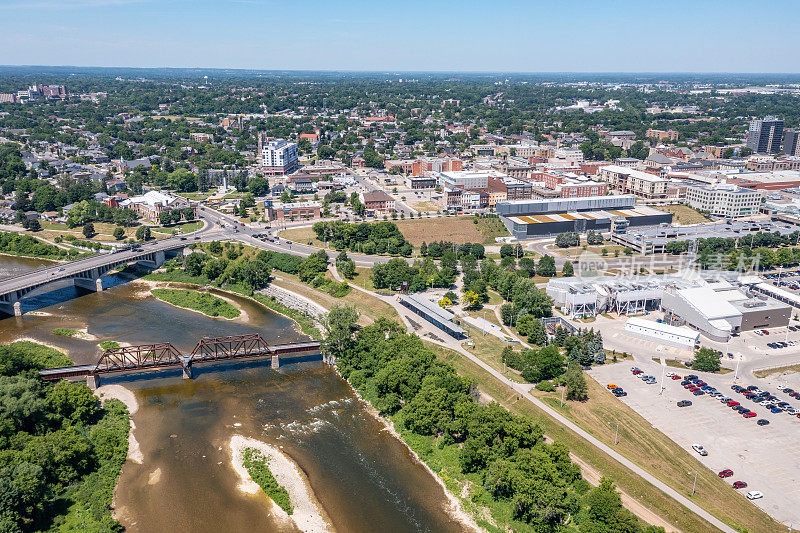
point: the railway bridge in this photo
(85, 273)
(162, 355)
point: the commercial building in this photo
(717, 304)
(152, 203)
(436, 315)
(377, 203)
(291, 211)
(764, 135)
(420, 182)
(630, 181)
(723, 199)
(278, 156)
(467, 179)
(720, 309)
(662, 333)
(791, 142)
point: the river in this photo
(364, 478)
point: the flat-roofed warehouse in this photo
(553, 223)
(534, 218)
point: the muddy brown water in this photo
(365, 479)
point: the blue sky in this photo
(500, 35)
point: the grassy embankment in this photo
(639, 441)
(257, 465)
(65, 332)
(206, 303)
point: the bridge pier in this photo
(92, 381)
(276, 362)
(93, 283)
(186, 365)
(11, 308)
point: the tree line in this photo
(526, 482)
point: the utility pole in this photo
(563, 390)
(736, 374)
(694, 485)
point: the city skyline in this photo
(621, 36)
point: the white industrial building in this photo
(718, 304)
(661, 332)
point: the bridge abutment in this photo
(276, 362)
(92, 381)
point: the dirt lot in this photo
(453, 229)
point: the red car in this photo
(700, 383)
(726, 473)
(689, 386)
(739, 484)
(749, 414)
(676, 376)
(732, 403)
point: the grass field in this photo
(206, 303)
(639, 441)
(302, 236)
(683, 214)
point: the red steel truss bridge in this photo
(164, 355)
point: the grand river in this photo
(363, 478)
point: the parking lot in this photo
(766, 457)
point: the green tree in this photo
(165, 218)
(340, 325)
(119, 233)
(88, 230)
(546, 266)
(706, 360)
(575, 382)
(143, 233)
(568, 270)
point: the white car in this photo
(699, 449)
(754, 495)
(670, 374)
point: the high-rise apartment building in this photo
(277, 155)
(764, 136)
(791, 143)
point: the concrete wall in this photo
(765, 318)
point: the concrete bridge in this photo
(164, 355)
(85, 273)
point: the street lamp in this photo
(616, 432)
(694, 485)
(736, 373)
(563, 390)
(663, 369)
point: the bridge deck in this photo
(77, 371)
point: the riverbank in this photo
(307, 515)
(200, 302)
(455, 508)
(126, 396)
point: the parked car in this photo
(684, 403)
(763, 422)
(749, 414)
(611, 386)
(739, 484)
(699, 449)
(725, 473)
(698, 392)
(754, 495)
(732, 403)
